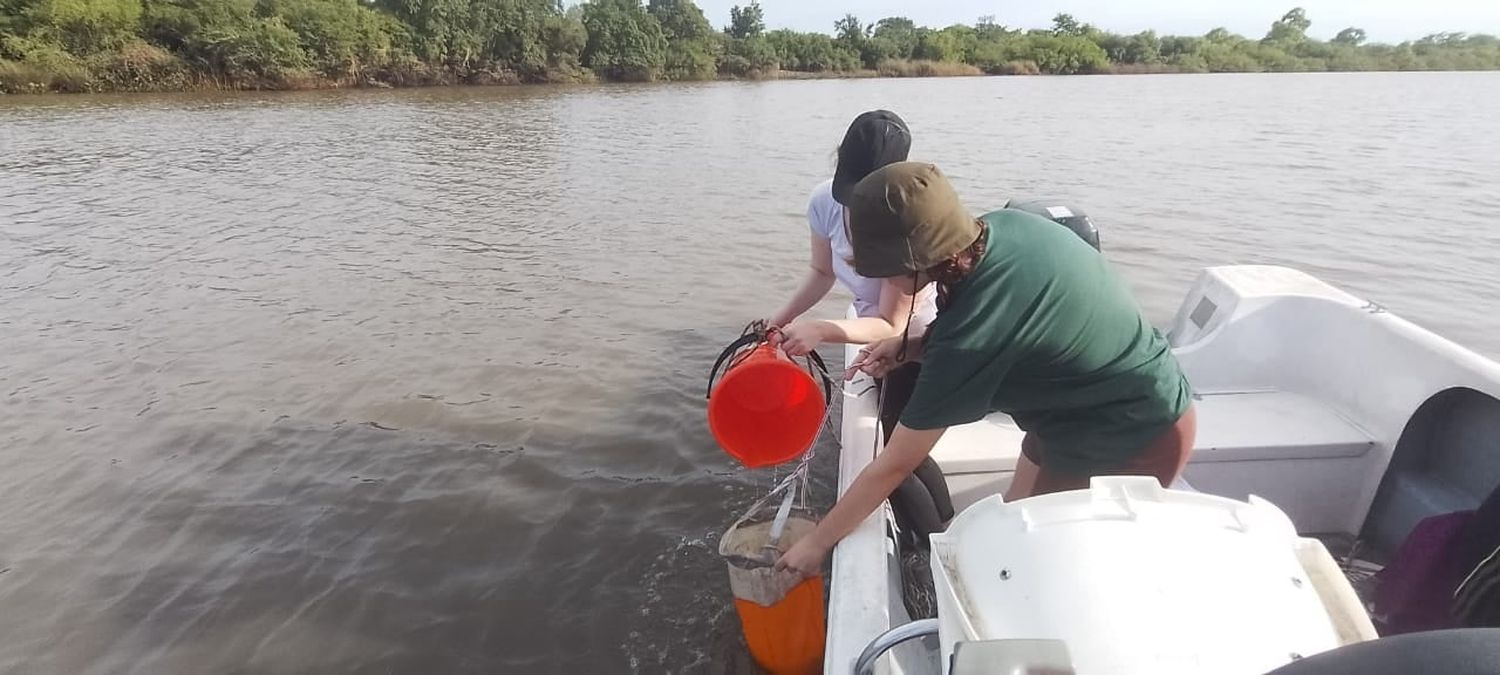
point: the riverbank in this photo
(148, 77)
(188, 45)
(159, 72)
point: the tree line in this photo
(92, 45)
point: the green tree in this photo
(746, 22)
(625, 42)
(1222, 36)
(442, 29)
(228, 39)
(1291, 29)
(1065, 24)
(681, 19)
(11, 17)
(81, 26)
(811, 52)
(750, 57)
(342, 38)
(897, 35)
(987, 30)
(263, 51)
(481, 35)
(875, 50)
(849, 31)
(1059, 54)
(1222, 57)
(1273, 58)
(990, 50)
(1173, 46)
(690, 39)
(565, 38)
(1352, 37)
(1143, 48)
(513, 33)
(954, 43)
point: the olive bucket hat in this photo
(905, 218)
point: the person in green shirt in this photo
(1032, 322)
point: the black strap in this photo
(744, 341)
(819, 370)
(755, 334)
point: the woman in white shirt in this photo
(883, 307)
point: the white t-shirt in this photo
(826, 218)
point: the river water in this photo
(411, 381)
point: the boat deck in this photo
(1233, 427)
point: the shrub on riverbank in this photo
(39, 67)
(26, 77)
(924, 68)
(1016, 68)
(137, 45)
(134, 66)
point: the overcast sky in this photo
(1384, 20)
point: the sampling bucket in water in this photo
(781, 613)
(766, 409)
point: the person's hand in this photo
(876, 360)
(806, 557)
(799, 338)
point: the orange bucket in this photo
(766, 410)
(787, 637)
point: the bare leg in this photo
(1024, 479)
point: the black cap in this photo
(874, 139)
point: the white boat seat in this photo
(1232, 427)
(1267, 425)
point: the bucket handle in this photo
(757, 333)
(743, 341)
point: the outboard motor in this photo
(1062, 213)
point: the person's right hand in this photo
(798, 339)
(876, 360)
(806, 557)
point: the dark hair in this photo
(958, 267)
(874, 139)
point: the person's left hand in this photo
(806, 557)
(876, 360)
(800, 338)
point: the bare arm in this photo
(906, 450)
(896, 300)
(815, 285)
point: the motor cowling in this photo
(1062, 213)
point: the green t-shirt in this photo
(1043, 330)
